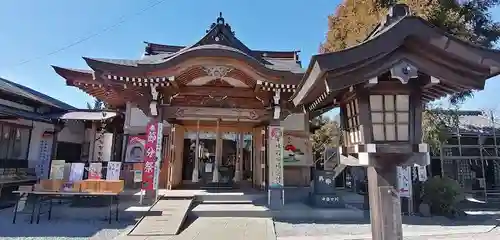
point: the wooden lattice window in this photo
(352, 124)
(390, 117)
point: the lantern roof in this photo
(459, 65)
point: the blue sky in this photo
(31, 29)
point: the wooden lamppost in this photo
(383, 130)
(381, 86)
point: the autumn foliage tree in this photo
(468, 20)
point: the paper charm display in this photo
(113, 171)
(95, 170)
(57, 169)
(76, 173)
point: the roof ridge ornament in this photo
(220, 19)
(220, 22)
(396, 12)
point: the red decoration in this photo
(290, 147)
(148, 171)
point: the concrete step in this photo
(288, 212)
(230, 210)
(236, 197)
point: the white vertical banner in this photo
(159, 142)
(113, 171)
(275, 156)
(404, 181)
(422, 173)
(45, 152)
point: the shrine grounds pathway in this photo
(414, 228)
(89, 223)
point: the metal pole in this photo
(495, 161)
(483, 179)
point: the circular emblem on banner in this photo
(275, 132)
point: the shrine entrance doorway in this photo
(217, 157)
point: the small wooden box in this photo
(114, 186)
(51, 185)
(91, 186)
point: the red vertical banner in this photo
(148, 173)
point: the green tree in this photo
(469, 20)
(327, 134)
(98, 105)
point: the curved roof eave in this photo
(142, 67)
(70, 74)
(391, 38)
(394, 36)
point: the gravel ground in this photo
(69, 223)
(413, 228)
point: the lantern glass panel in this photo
(402, 102)
(390, 132)
(389, 102)
(390, 117)
(351, 122)
(402, 117)
(403, 132)
(378, 132)
(377, 117)
(376, 102)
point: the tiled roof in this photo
(28, 93)
(19, 113)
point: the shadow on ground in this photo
(70, 221)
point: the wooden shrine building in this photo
(217, 95)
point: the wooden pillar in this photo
(195, 176)
(218, 153)
(170, 157)
(263, 157)
(239, 157)
(385, 204)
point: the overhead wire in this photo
(121, 20)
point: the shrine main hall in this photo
(216, 98)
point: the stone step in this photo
(230, 210)
(289, 211)
(229, 197)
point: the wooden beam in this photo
(217, 91)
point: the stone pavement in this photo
(415, 228)
(220, 228)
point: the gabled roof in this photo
(219, 41)
(32, 95)
(402, 38)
